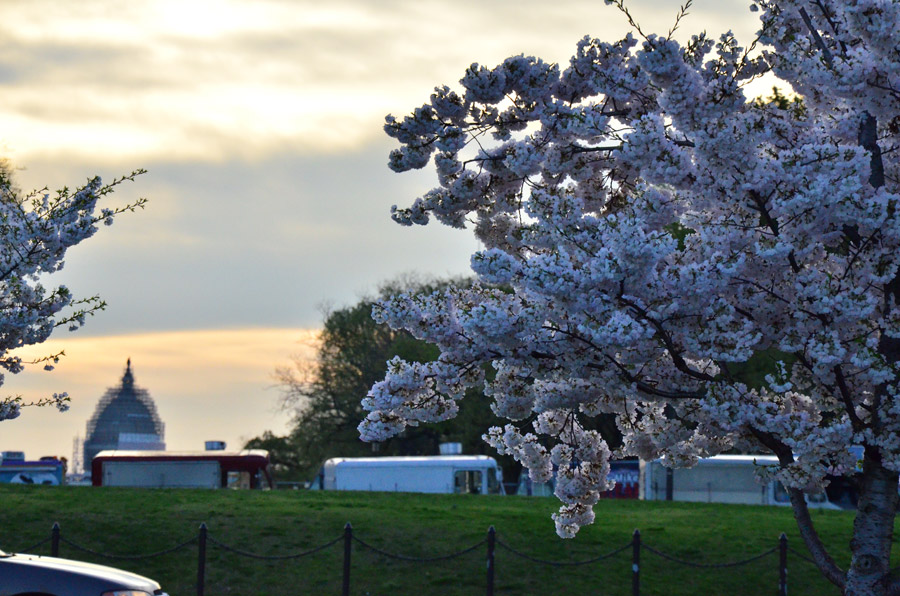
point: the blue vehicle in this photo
(15, 469)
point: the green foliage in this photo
(766, 362)
(679, 232)
(325, 398)
(140, 521)
(790, 103)
(284, 457)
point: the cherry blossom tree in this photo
(648, 229)
(36, 230)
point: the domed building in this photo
(125, 418)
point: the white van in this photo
(719, 479)
(471, 474)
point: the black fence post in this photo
(201, 560)
(54, 540)
(636, 563)
(782, 565)
(491, 545)
(348, 540)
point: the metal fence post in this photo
(54, 540)
(201, 560)
(636, 563)
(491, 545)
(348, 540)
(782, 565)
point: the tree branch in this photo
(668, 342)
(813, 542)
(826, 53)
(846, 397)
(640, 384)
(811, 538)
(772, 224)
(647, 388)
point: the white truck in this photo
(461, 474)
(182, 469)
(719, 479)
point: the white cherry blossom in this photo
(648, 228)
(37, 229)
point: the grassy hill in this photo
(129, 521)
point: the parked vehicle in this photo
(624, 472)
(15, 469)
(472, 474)
(32, 575)
(182, 469)
(719, 479)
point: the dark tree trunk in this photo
(873, 530)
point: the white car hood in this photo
(49, 571)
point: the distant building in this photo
(125, 419)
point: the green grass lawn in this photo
(137, 521)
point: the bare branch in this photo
(808, 532)
(817, 38)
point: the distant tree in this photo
(284, 457)
(36, 230)
(352, 353)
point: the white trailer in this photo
(472, 474)
(719, 479)
(162, 474)
(182, 469)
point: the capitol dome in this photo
(125, 418)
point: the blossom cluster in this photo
(37, 230)
(648, 231)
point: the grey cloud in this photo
(288, 77)
(75, 62)
(263, 243)
(261, 225)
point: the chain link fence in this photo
(205, 542)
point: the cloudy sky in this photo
(260, 125)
